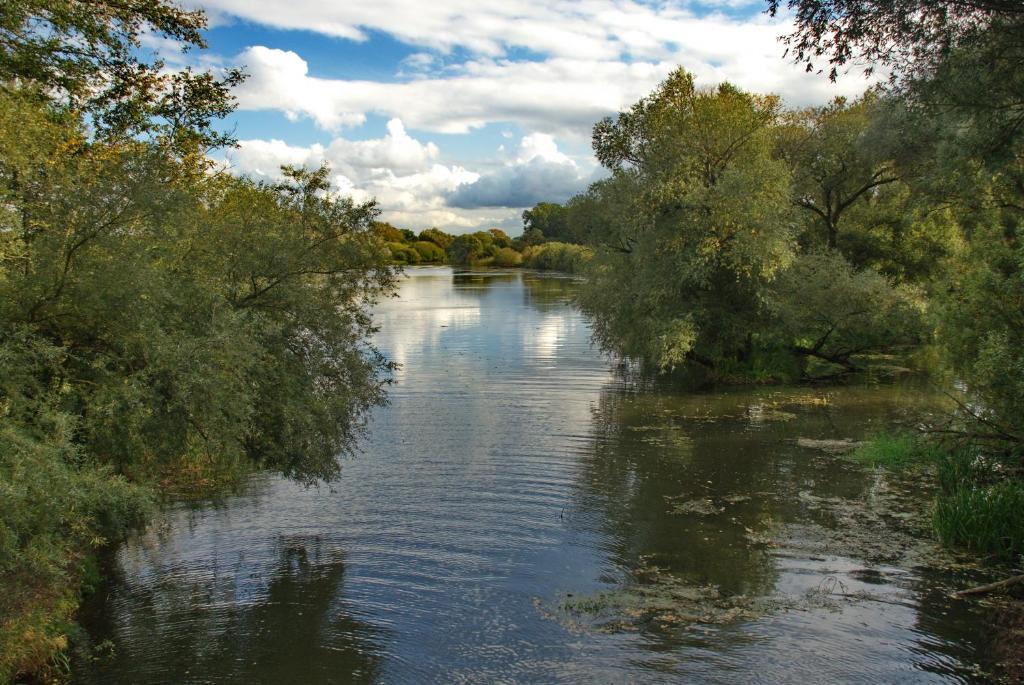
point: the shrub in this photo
(403, 254)
(557, 257)
(428, 251)
(506, 256)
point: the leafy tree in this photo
(506, 256)
(388, 233)
(428, 251)
(910, 36)
(438, 237)
(835, 163)
(86, 55)
(161, 326)
(465, 249)
(959, 69)
(828, 311)
(500, 238)
(687, 284)
(611, 213)
(531, 236)
(551, 220)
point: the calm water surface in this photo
(514, 469)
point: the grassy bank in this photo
(979, 505)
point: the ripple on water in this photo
(515, 468)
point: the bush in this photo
(557, 257)
(429, 251)
(466, 250)
(403, 254)
(506, 257)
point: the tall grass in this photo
(980, 503)
(985, 518)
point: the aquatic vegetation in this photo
(844, 446)
(983, 518)
(896, 451)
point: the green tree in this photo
(828, 311)
(687, 283)
(500, 238)
(388, 233)
(86, 55)
(551, 219)
(465, 250)
(835, 161)
(438, 237)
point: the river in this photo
(525, 510)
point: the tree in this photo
(826, 310)
(551, 220)
(531, 236)
(387, 232)
(958, 68)
(465, 249)
(835, 161)
(910, 36)
(438, 237)
(162, 326)
(686, 285)
(86, 55)
(500, 238)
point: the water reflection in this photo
(248, 623)
(514, 467)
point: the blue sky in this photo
(460, 113)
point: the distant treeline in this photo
(482, 248)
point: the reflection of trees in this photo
(998, 647)
(654, 441)
(546, 292)
(244, 626)
(645, 452)
(478, 282)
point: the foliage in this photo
(465, 249)
(531, 236)
(428, 251)
(506, 257)
(686, 282)
(59, 505)
(982, 323)
(387, 233)
(403, 254)
(909, 36)
(558, 257)
(161, 327)
(552, 220)
(499, 238)
(87, 55)
(836, 161)
(829, 311)
(438, 237)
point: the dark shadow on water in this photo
(240, 625)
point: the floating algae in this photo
(702, 506)
(844, 446)
(659, 600)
